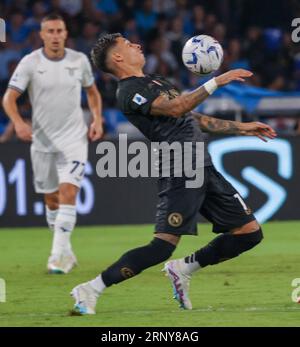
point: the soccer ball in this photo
(202, 55)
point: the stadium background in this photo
(253, 290)
(251, 40)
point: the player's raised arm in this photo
(23, 129)
(221, 126)
(185, 103)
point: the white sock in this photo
(98, 284)
(64, 225)
(188, 265)
(50, 217)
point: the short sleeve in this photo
(140, 96)
(87, 74)
(21, 76)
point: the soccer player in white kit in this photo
(54, 76)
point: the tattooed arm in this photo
(185, 103)
(221, 126)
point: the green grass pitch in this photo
(251, 290)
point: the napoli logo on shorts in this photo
(175, 219)
(126, 272)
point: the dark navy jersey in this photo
(135, 96)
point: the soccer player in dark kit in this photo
(161, 113)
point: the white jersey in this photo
(54, 88)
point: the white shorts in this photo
(52, 169)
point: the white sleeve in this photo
(87, 74)
(21, 76)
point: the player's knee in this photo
(67, 194)
(246, 228)
(53, 205)
(51, 201)
(258, 236)
(249, 240)
(173, 239)
(162, 248)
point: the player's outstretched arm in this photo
(185, 103)
(23, 129)
(220, 126)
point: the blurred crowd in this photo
(255, 35)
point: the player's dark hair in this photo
(102, 46)
(52, 16)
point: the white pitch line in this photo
(208, 309)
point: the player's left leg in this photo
(51, 204)
(224, 247)
(65, 221)
(230, 217)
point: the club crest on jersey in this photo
(139, 99)
(71, 70)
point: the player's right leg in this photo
(177, 212)
(46, 182)
(129, 265)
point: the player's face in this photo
(54, 34)
(131, 53)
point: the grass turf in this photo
(251, 290)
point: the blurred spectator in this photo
(166, 7)
(16, 28)
(255, 35)
(235, 59)
(160, 53)
(177, 38)
(71, 7)
(39, 10)
(131, 31)
(88, 37)
(145, 18)
(198, 15)
(8, 53)
(107, 12)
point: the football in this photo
(202, 55)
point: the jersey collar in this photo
(53, 59)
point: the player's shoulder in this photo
(73, 55)
(32, 58)
(130, 84)
(159, 79)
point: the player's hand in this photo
(232, 75)
(96, 130)
(258, 129)
(23, 131)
